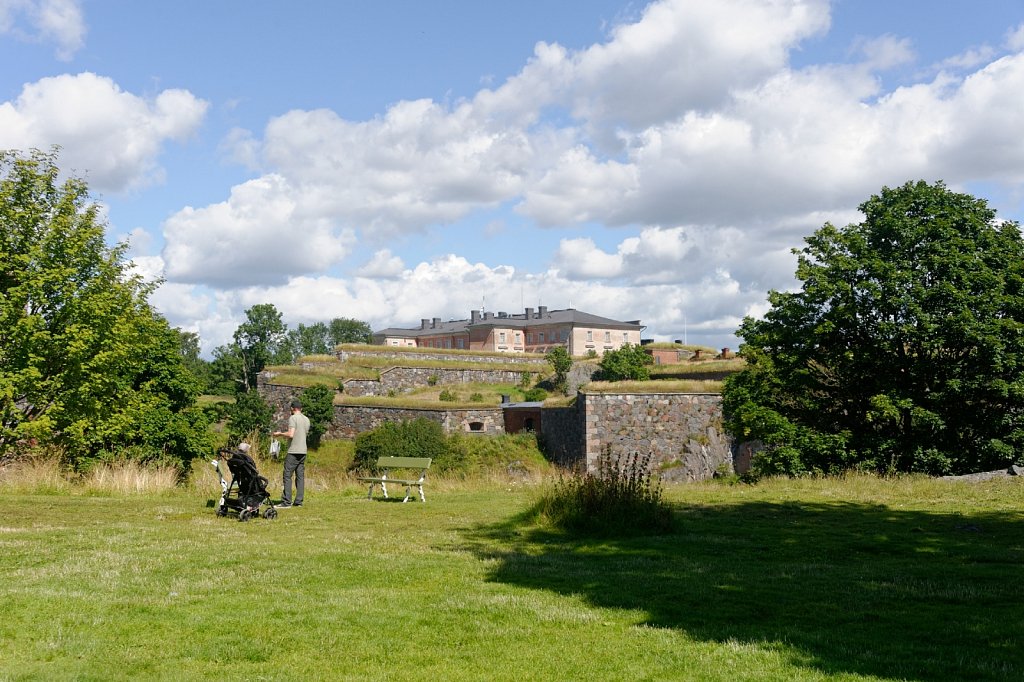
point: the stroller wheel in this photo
(270, 513)
(244, 515)
(222, 511)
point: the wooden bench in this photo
(386, 464)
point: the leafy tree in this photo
(902, 351)
(190, 357)
(260, 341)
(561, 362)
(318, 406)
(311, 339)
(85, 362)
(627, 363)
(348, 330)
(249, 413)
(226, 371)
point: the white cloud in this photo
(1015, 38)
(383, 265)
(111, 136)
(52, 21)
(267, 231)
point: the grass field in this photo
(854, 579)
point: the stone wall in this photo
(351, 420)
(561, 437)
(402, 379)
(681, 431)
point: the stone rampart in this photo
(682, 432)
(401, 379)
(351, 420)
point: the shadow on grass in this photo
(842, 588)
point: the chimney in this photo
(474, 316)
(542, 310)
(424, 323)
(529, 313)
(488, 316)
(436, 323)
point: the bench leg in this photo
(422, 498)
(369, 495)
(408, 493)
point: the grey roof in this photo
(570, 316)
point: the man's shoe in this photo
(297, 504)
(283, 505)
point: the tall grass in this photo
(620, 498)
(46, 475)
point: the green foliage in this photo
(318, 406)
(535, 395)
(524, 379)
(627, 363)
(432, 380)
(561, 363)
(348, 330)
(249, 413)
(313, 339)
(415, 438)
(903, 351)
(476, 397)
(260, 341)
(619, 499)
(448, 396)
(85, 362)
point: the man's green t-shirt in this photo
(298, 424)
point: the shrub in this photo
(535, 395)
(619, 499)
(318, 406)
(249, 413)
(416, 438)
(476, 398)
(448, 396)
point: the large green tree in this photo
(903, 350)
(349, 330)
(260, 340)
(85, 362)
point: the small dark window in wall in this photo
(528, 424)
(476, 426)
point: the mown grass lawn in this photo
(788, 580)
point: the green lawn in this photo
(788, 580)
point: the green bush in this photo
(416, 438)
(620, 499)
(476, 397)
(318, 406)
(535, 395)
(249, 413)
(448, 396)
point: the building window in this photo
(625, 337)
(607, 337)
(565, 335)
(476, 426)
(501, 337)
(459, 341)
(542, 337)
(518, 338)
(590, 335)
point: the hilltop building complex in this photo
(533, 331)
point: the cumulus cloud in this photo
(111, 136)
(267, 231)
(51, 21)
(383, 265)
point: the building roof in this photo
(529, 318)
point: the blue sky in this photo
(391, 161)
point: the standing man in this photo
(295, 461)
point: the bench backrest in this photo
(403, 462)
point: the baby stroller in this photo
(251, 488)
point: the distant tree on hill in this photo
(626, 363)
(902, 351)
(348, 330)
(561, 362)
